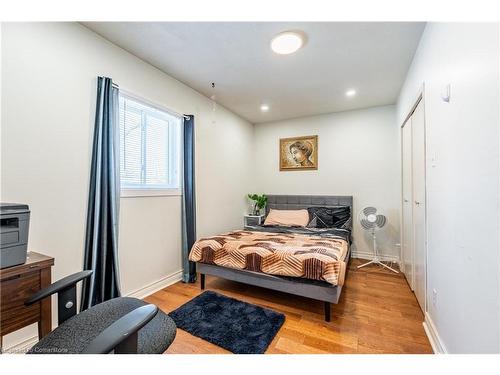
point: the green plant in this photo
(259, 202)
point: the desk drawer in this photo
(14, 291)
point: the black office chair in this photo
(121, 325)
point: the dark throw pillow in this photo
(323, 216)
(342, 217)
(329, 217)
(313, 223)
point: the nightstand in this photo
(252, 220)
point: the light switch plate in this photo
(446, 93)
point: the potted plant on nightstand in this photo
(259, 203)
(255, 218)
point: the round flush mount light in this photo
(288, 42)
(350, 93)
(264, 108)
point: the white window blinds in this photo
(149, 146)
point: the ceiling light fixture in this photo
(264, 108)
(350, 93)
(287, 42)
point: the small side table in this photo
(17, 284)
(252, 220)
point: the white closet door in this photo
(407, 204)
(418, 180)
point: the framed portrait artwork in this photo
(299, 153)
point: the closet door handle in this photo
(417, 203)
(406, 200)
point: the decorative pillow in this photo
(342, 217)
(323, 217)
(313, 223)
(287, 218)
(330, 217)
(347, 224)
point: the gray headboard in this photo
(298, 202)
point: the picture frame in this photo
(298, 153)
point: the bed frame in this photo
(318, 290)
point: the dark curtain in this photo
(188, 201)
(101, 240)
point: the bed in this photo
(308, 262)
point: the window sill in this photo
(135, 193)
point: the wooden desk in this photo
(17, 284)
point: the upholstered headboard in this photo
(298, 202)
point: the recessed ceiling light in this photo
(264, 108)
(287, 42)
(350, 93)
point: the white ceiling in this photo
(371, 57)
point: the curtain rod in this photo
(152, 104)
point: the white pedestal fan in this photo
(371, 221)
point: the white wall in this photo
(48, 102)
(462, 144)
(358, 156)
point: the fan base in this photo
(377, 261)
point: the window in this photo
(149, 148)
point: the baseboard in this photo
(140, 293)
(433, 336)
(156, 285)
(22, 347)
(368, 255)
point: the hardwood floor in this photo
(377, 313)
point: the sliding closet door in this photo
(418, 177)
(407, 203)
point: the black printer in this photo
(14, 227)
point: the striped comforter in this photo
(284, 254)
